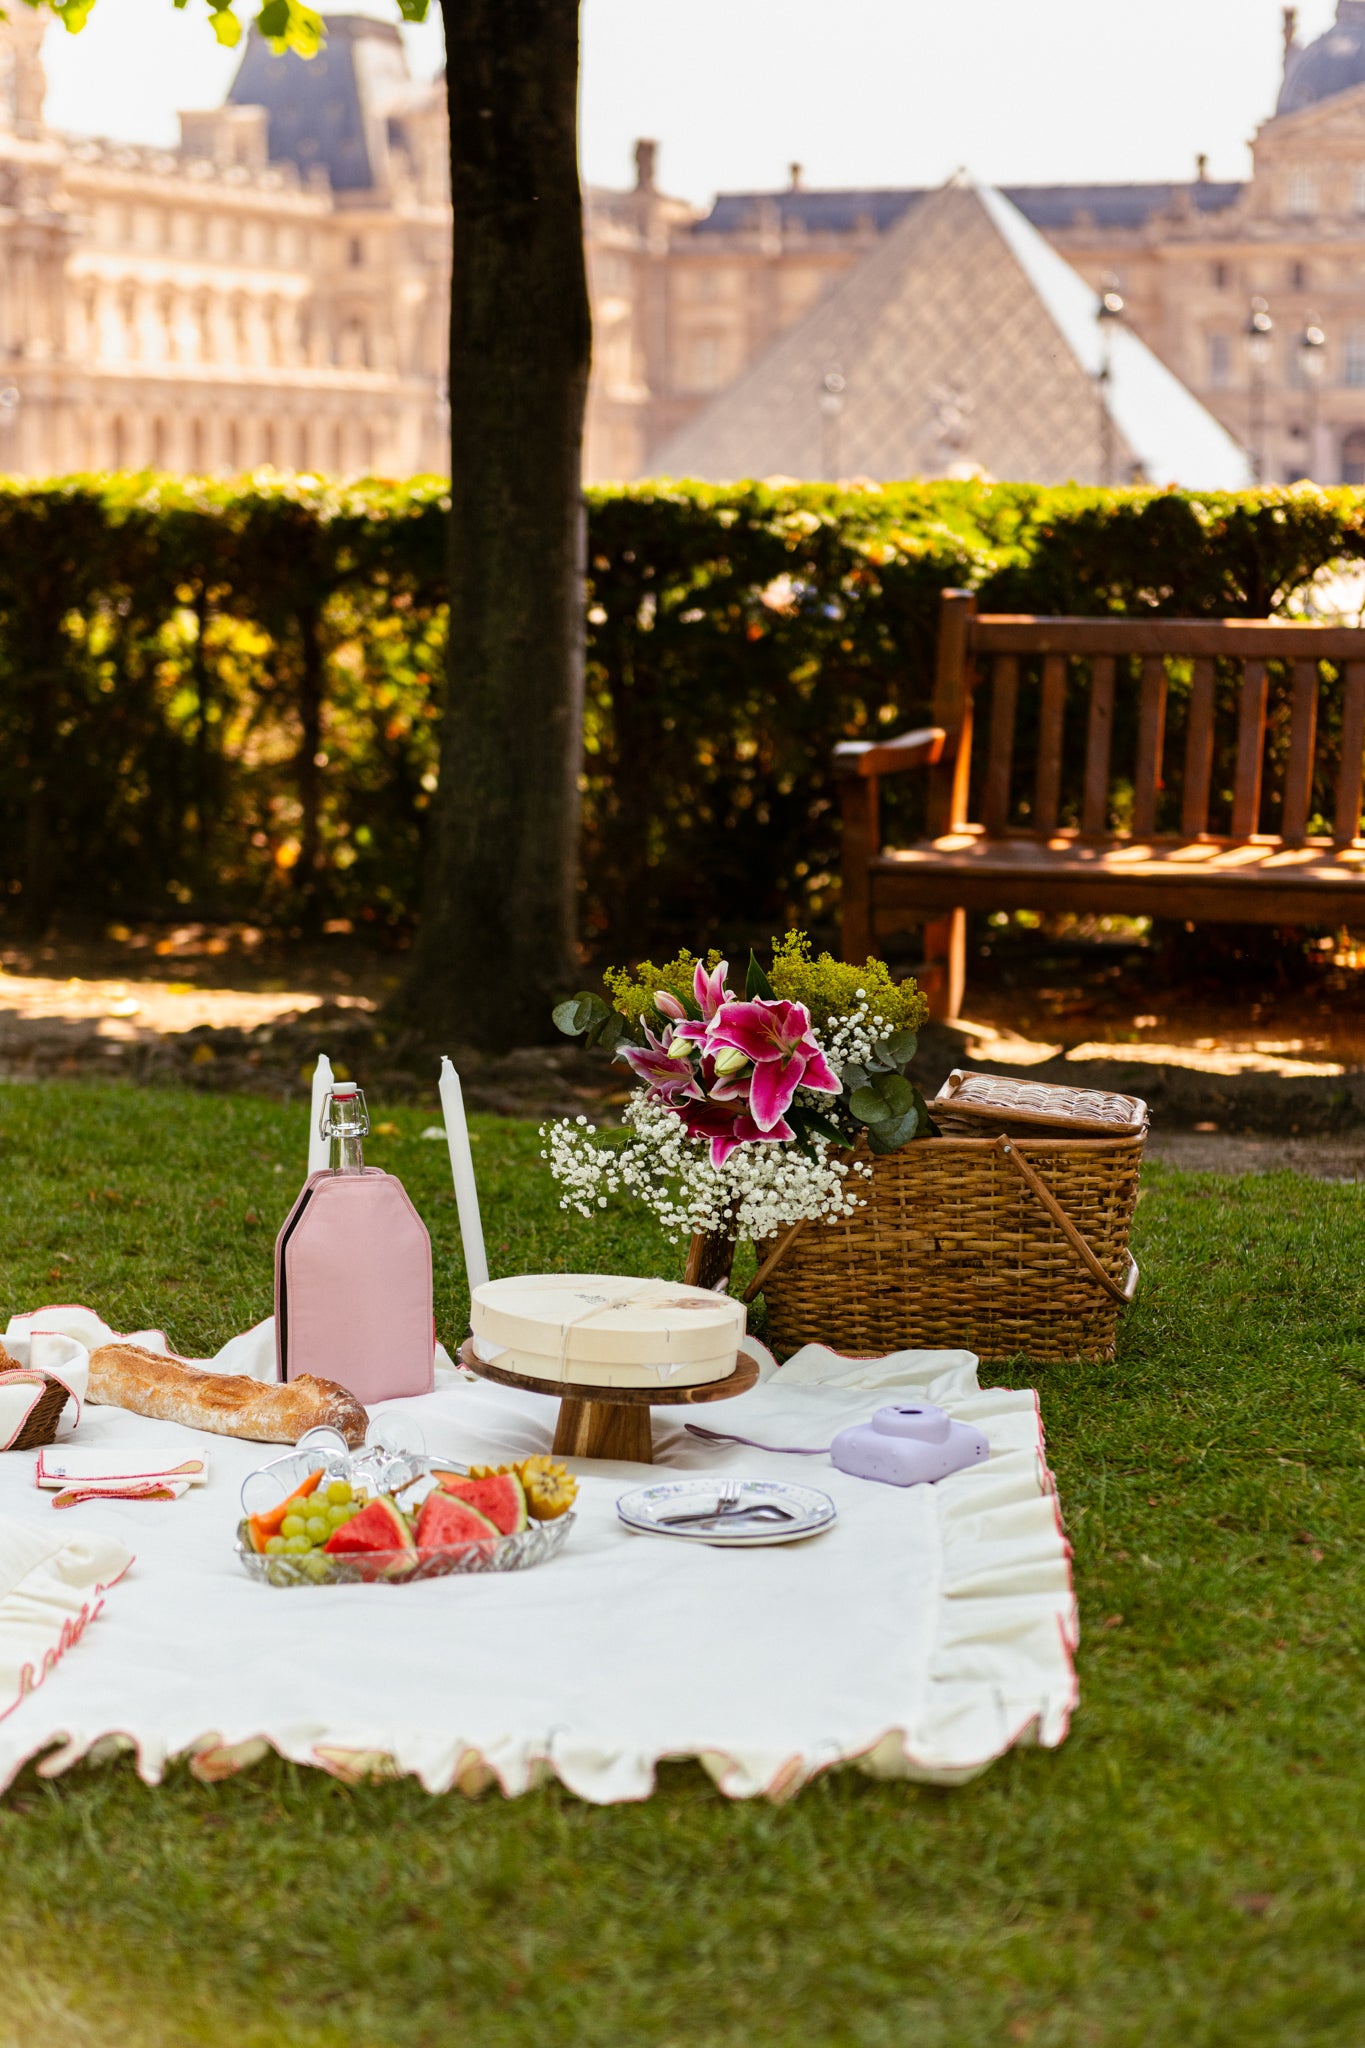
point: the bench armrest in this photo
(921, 749)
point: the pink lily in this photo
(671, 1080)
(668, 1005)
(777, 1037)
(728, 1128)
(708, 986)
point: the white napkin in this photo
(40, 1354)
(76, 1474)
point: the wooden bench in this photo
(1029, 826)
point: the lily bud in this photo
(680, 1049)
(668, 1005)
(730, 1059)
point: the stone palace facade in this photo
(685, 301)
(275, 290)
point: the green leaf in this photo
(890, 1136)
(225, 26)
(868, 1106)
(899, 1095)
(607, 1031)
(901, 1046)
(756, 982)
(853, 1076)
(580, 1013)
(821, 1127)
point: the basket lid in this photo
(1050, 1105)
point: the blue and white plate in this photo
(646, 1509)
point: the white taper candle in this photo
(462, 1172)
(319, 1147)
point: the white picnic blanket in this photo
(926, 1633)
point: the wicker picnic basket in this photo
(1010, 1240)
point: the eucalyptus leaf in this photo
(854, 1076)
(577, 1014)
(756, 982)
(869, 1106)
(609, 1032)
(899, 1095)
(902, 1046)
(895, 1132)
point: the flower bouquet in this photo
(748, 1106)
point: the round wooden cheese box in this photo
(607, 1330)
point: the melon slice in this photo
(501, 1497)
(379, 1532)
(447, 1525)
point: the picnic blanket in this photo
(921, 1637)
(929, 1630)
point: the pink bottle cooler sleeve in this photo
(353, 1287)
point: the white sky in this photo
(862, 92)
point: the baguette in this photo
(228, 1404)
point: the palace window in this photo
(1353, 458)
(1219, 362)
(1218, 276)
(1353, 358)
(706, 363)
(355, 253)
(1301, 191)
(1298, 277)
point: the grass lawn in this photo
(1184, 1870)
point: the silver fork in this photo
(728, 1504)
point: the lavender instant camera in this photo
(908, 1446)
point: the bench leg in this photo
(945, 970)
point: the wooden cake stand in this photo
(611, 1422)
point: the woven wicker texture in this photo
(953, 1249)
(972, 1105)
(41, 1425)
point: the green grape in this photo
(316, 1565)
(317, 1528)
(338, 1493)
(292, 1525)
(341, 1512)
(274, 1545)
(296, 1545)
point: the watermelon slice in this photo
(501, 1497)
(379, 1532)
(447, 1525)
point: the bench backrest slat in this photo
(1194, 798)
(1047, 787)
(1151, 744)
(1298, 774)
(1000, 759)
(1246, 789)
(1349, 771)
(1099, 741)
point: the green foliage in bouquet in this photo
(865, 1020)
(831, 989)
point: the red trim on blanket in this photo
(73, 1628)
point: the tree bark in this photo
(496, 942)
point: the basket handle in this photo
(1122, 1294)
(773, 1260)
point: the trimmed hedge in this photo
(223, 701)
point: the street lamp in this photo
(1260, 330)
(1312, 342)
(1107, 311)
(832, 386)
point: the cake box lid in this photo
(609, 1317)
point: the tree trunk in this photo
(496, 943)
